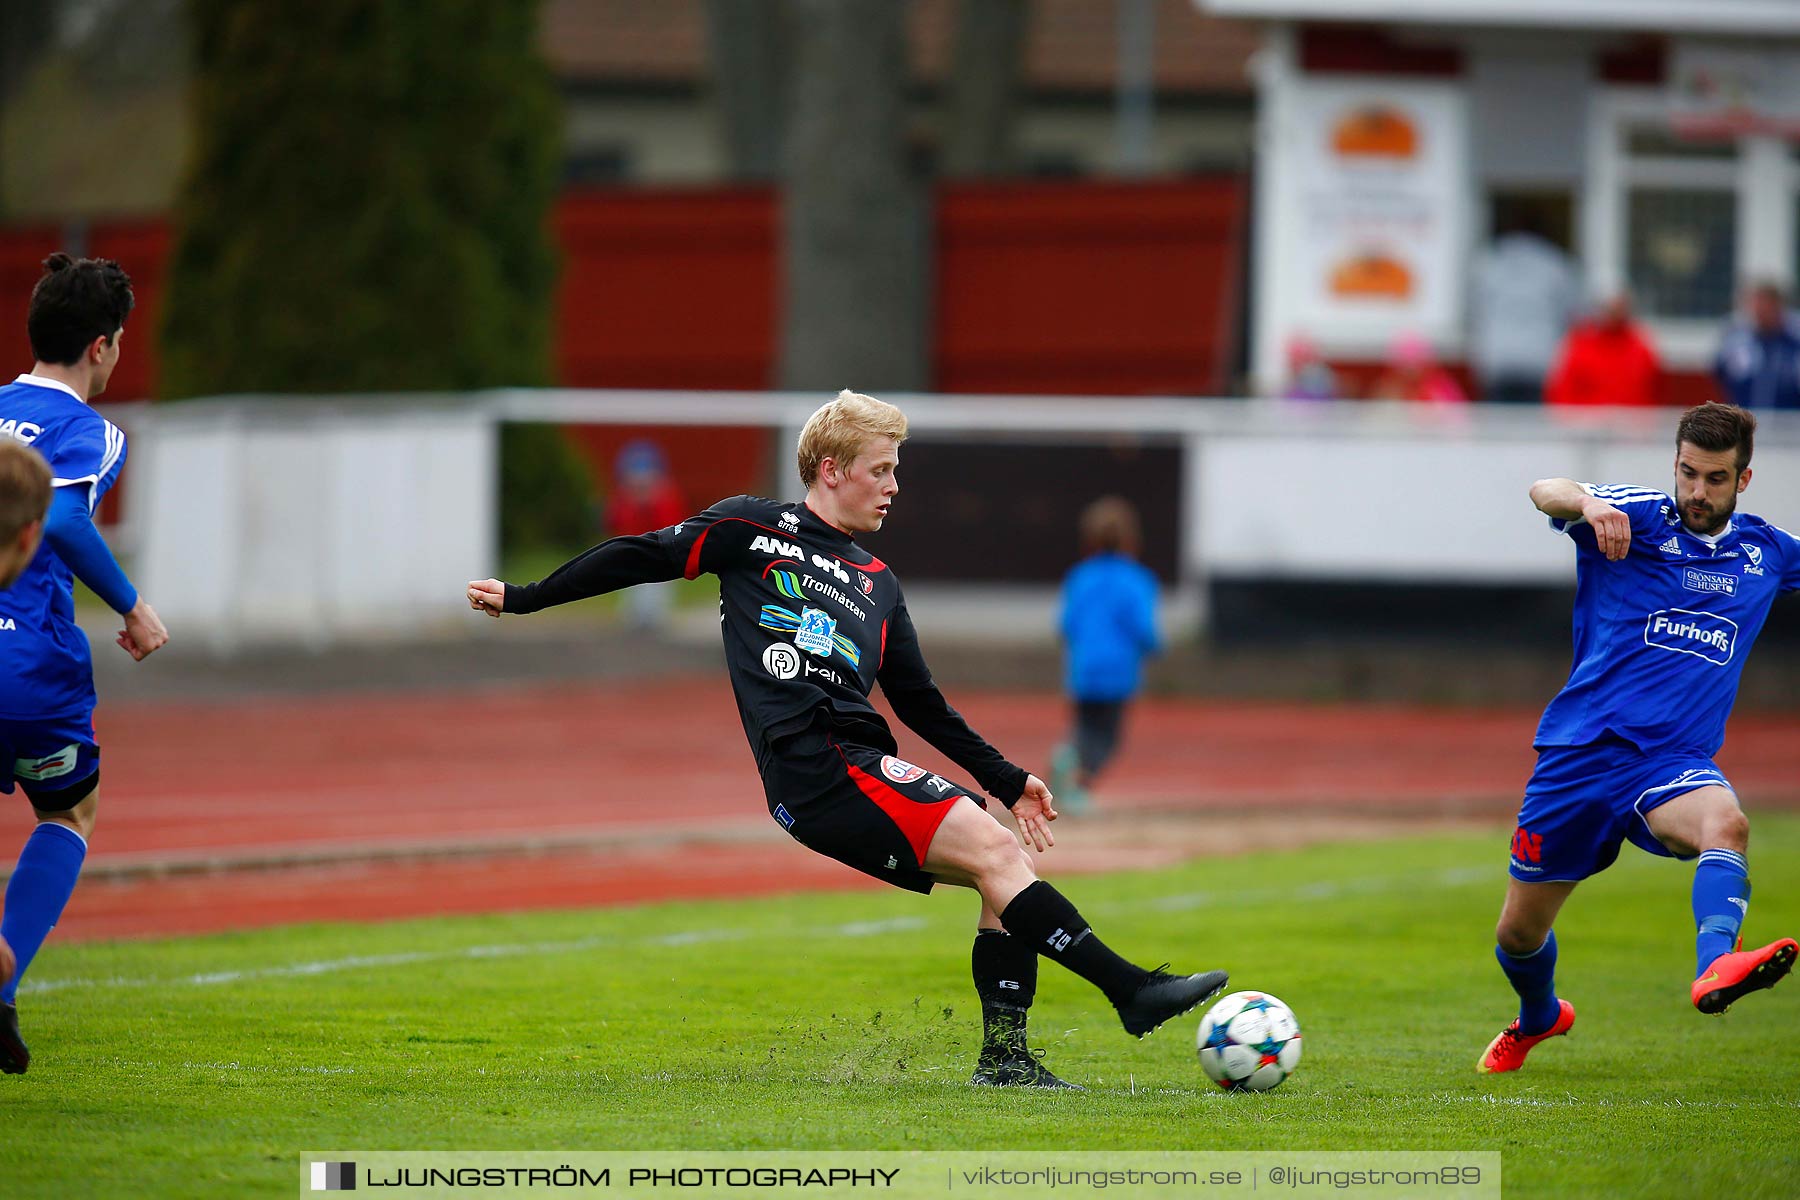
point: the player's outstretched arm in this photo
(1566, 500)
(1034, 810)
(488, 596)
(144, 633)
(69, 531)
(619, 563)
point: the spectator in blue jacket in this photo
(1758, 364)
(1108, 625)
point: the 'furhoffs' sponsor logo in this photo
(1703, 635)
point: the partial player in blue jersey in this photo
(24, 499)
(47, 746)
(1671, 590)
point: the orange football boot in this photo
(1743, 971)
(1507, 1052)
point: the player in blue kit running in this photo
(47, 745)
(1670, 593)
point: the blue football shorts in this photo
(49, 755)
(1583, 801)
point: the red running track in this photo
(459, 785)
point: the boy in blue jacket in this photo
(1108, 624)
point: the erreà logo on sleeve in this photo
(1703, 635)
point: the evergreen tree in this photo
(366, 210)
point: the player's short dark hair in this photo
(24, 487)
(1718, 427)
(76, 301)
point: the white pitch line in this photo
(1608, 1102)
(854, 929)
(1326, 890)
(1322, 890)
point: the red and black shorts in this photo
(865, 808)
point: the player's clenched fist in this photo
(488, 596)
(1612, 528)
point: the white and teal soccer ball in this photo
(1249, 1042)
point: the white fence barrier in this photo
(308, 521)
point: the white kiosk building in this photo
(1657, 140)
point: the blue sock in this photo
(35, 895)
(1533, 976)
(1721, 897)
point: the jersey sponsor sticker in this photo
(831, 567)
(786, 620)
(814, 633)
(781, 660)
(1704, 635)
(48, 767)
(1696, 580)
(1672, 546)
(23, 432)
(901, 771)
(775, 546)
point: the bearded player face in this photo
(1707, 484)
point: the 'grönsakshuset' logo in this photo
(1703, 635)
(1696, 580)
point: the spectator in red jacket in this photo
(645, 498)
(1606, 360)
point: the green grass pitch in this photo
(205, 1066)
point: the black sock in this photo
(1005, 971)
(1041, 917)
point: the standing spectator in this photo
(1309, 378)
(644, 498)
(1523, 299)
(1413, 373)
(1108, 624)
(1607, 360)
(1758, 364)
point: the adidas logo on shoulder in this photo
(1672, 546)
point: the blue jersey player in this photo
(24, 501)
(1671, 591)
(47, 747)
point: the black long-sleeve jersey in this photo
(811, 622)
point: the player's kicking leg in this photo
(1526, 949)
(1709, 822)
(972, 849)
